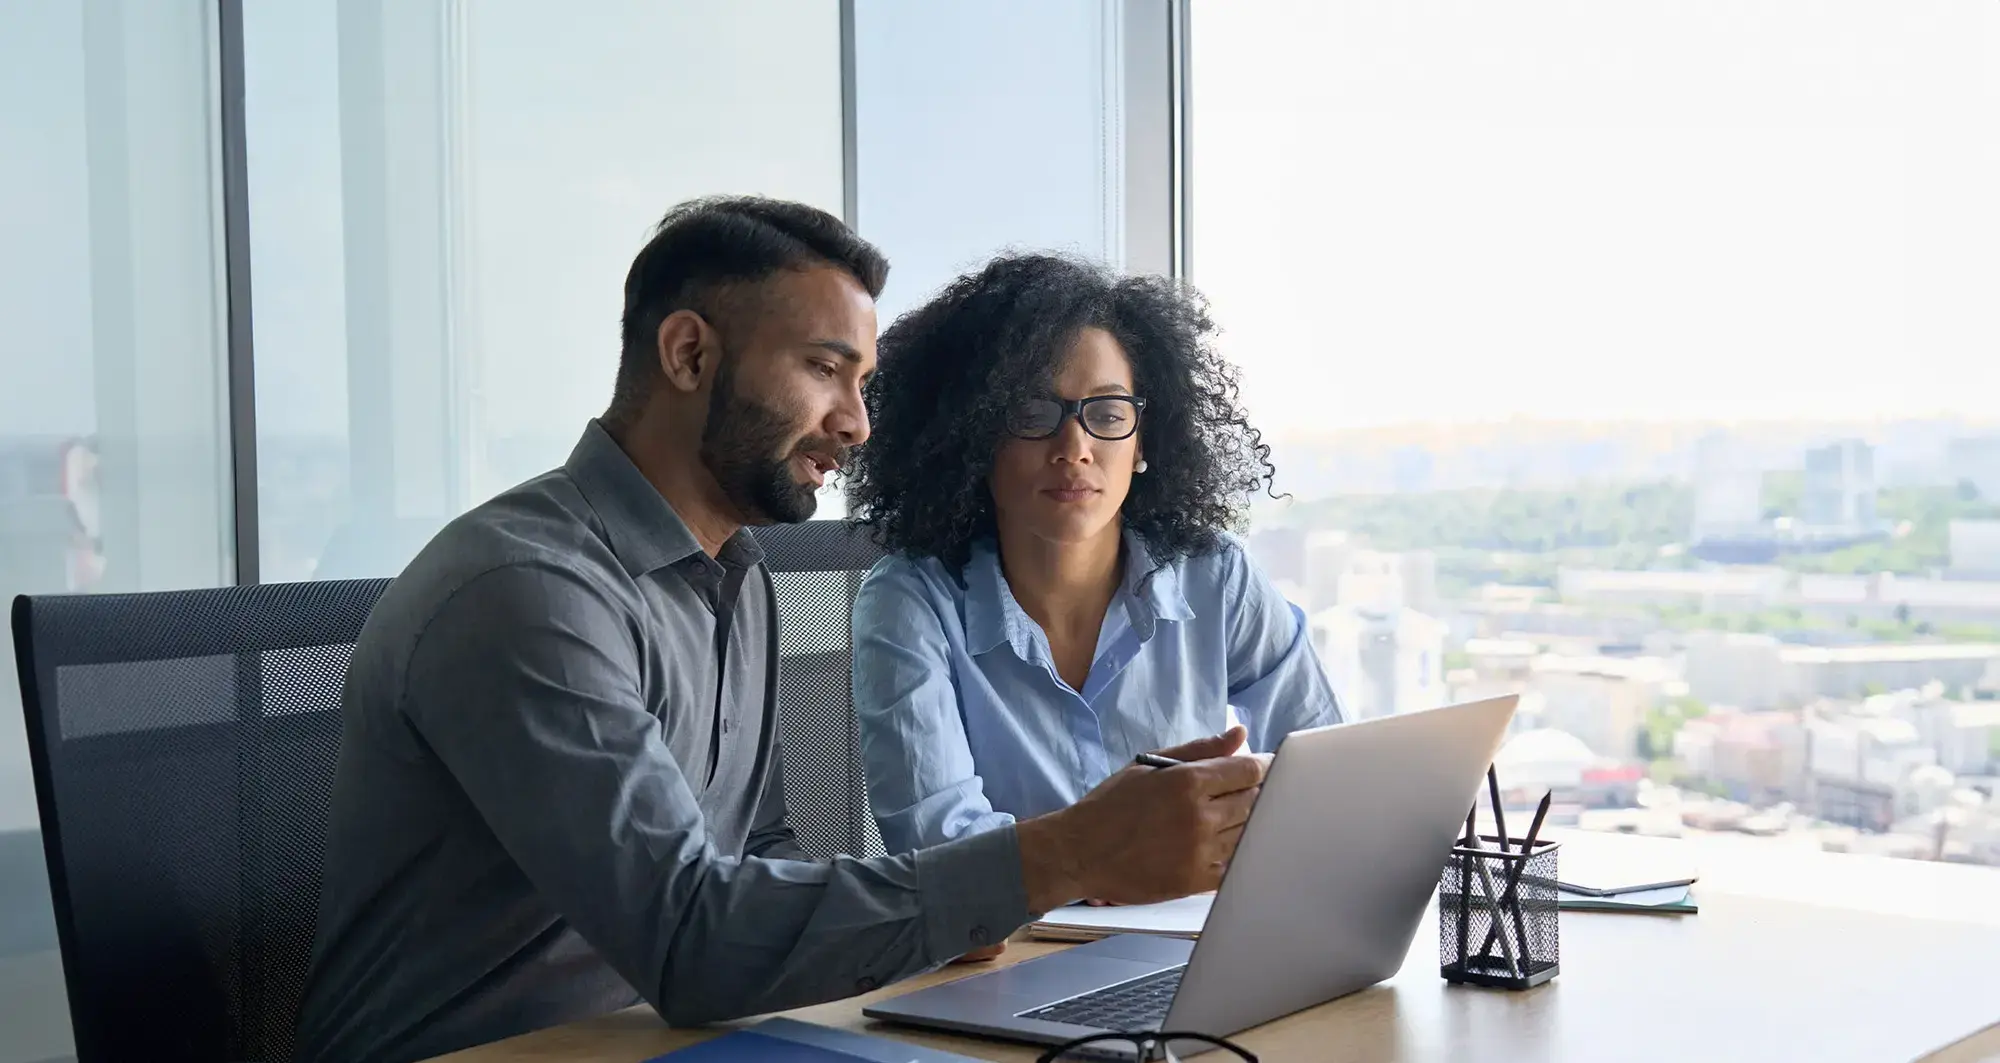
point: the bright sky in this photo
(1451, 210)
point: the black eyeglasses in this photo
(1143, 1045)
(1108, 417)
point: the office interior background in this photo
(1642, 358)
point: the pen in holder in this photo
(1497, 918)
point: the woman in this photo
(1056, 455)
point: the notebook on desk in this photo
(1606, 868)
(1081, 922)
(1669, 900)
(791, 1041)
(1184, 918)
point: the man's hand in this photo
(1145, 834)
(990, 952)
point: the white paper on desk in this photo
(1182, 918)
(1607, 869)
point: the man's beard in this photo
(743, 446)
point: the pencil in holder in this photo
(1497, 916)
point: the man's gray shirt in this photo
(559, 794)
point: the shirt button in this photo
(867, 984)
(980, 936)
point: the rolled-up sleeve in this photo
(526, 686)
(1276, 682)
(921, 777)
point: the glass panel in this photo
(114, 460)
(444, 200)
(1639, 358)
(984, 126)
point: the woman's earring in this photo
(1141, 467)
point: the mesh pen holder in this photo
(1519, 949)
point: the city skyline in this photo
(1558, 455)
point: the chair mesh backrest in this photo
(816, 568)
(183, 746)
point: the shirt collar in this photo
(1152, 588)
(644, 531)
(1150, 593)
(992, 616)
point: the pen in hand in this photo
(1154, 760)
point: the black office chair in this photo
(183, 746)
(816, 568)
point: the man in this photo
(558, 789)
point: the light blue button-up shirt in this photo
(966, 726)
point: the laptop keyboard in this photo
(1128, 1007)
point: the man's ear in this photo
(687, 348)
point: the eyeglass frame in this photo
(1073, 408)
(1145, 1043)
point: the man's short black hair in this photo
(705, 246)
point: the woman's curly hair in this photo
(950, 370)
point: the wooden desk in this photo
(1747, 979)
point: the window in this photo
(981, 128)
(444, 198)
(114, 447)
(1637, 357)
(987, 127)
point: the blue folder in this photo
(791, 1041)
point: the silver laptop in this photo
(1335, 868)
